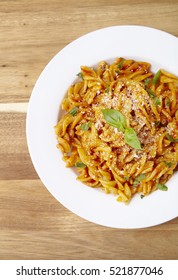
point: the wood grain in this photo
(33, 32)
(33, 225)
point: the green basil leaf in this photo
(80, 164)
(156, 77)
(73, 111)
(150, 92)
(168, 164)
(169, 137)
(141, 177)
(126, 178)
(114, 118)
(161, 187)
(135, 183)
(167, 101)
(157, 101)
(131, 138)
(154, 97)
(138, 179)
(146, 82)
(85, 126)
(120, 64)
(158, 123)
(107, 89)
(80, 75)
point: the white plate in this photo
(138, 42)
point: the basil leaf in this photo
(131, 138)
(158, 123)
(157, 101)
(154, 97)
(141, 177)
(138, 179)
(114, 118)
(107, 89)
(169, 137)
(146, 82)
(120, 64)
(73, 111)
(167, 101)
(156, 77)
(80, 75)
(126, 178)
(150, 92)
(85, 126)
(135, 183)
(168, 164)
(161, 187)
(80, 164)
(142, 196)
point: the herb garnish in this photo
(157, 123)
(80, 164)
(147, 82)
(116, 119)
(85, 126)
(157, 101)
(120, 64)
(138, 179)
(156, 77)
(142, 196)
(131, 138)
(73, 111)
(150, 92)
(167, 101)
(107, 89)
(80, 75)
(169, 137)
(126, 178)
(168, 164)
(161, 187)
(155, 98)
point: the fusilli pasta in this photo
(120, 129)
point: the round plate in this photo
(137, 42)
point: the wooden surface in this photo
(33, 225)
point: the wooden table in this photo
(33, 225)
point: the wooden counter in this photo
(33, 225)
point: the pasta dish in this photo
(120, 128)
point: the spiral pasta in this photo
(120, 129)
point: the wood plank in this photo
(13, 107)
(15, 161)
(32, 33)
(34, 225)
